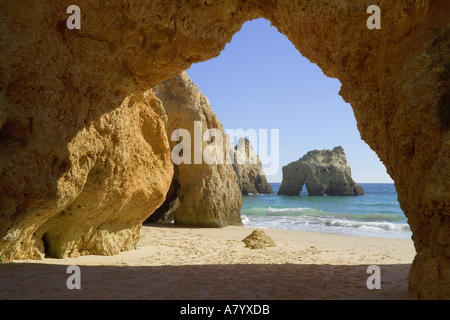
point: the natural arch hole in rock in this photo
(261, 81)
(46, 244)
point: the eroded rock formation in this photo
(208, 194)
(324, 172)
(249, 170)
(62, 91)
(89, 196)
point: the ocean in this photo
(377, 214)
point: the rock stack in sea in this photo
(324, 172)
(249, 170)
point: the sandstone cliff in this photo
(249, 170)
(324, 172)
(208, 194)
(62, 93)
(89, 196)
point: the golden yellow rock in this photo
(258, 240)
(209, 194)
(62, 91)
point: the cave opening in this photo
(261, 81)
(46, 243)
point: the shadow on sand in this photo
(202, 282)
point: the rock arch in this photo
(62, 88)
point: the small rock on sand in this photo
(258, 240)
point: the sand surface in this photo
(203, 264)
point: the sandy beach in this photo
(214, 264)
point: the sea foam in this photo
(378, 214)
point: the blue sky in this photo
(260, 81)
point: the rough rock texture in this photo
(55, 83)
(209, 195)
(324, 172)
(89, 196)
(249, 170)
(258, 240)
